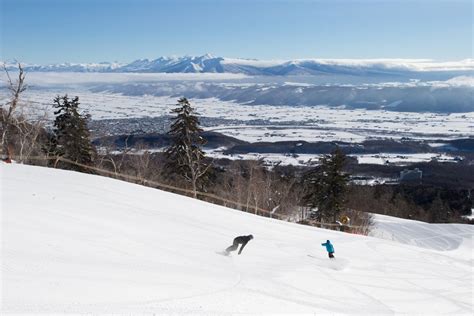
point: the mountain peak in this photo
(208, 56)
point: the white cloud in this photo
(396, 63)
(58, 78)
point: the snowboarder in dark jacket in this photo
(329, 248)
(241, 240)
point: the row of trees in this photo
(324, 186)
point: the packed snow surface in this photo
(78, 243)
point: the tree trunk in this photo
(194, 180)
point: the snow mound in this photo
(421, 234)
(77, 243)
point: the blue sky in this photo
(49, 31)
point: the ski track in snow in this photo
(76, 243)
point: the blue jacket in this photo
(329, 246)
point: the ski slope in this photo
(443, 237)
(77, 243)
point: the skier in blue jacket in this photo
(329, 248)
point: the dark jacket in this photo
(242, 240)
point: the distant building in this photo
(414, 175)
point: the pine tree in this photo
(185, 157)
(71, 137)
(326, 186)
(438, 210)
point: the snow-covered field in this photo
(269, 159)
(313, 159)
(275, 133)
(78, 243)
(309, 123)
(401, 159)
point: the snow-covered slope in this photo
(73, 242)
(431, 236)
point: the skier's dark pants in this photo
(241, 240)
(331, 254)
(234, 247)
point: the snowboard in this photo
(223, 253)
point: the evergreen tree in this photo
(71, 137)
(326, 185)
(439, 210)
(185, 157)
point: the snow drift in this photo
(78, 243)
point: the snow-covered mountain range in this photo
(213, 64)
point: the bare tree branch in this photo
(8, 120)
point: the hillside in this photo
(78, 243)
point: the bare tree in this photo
(106, 157)
(233, 185)
(8, 118)
(124, 154)
(141, 161)
(29, 135)
(259, 187)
